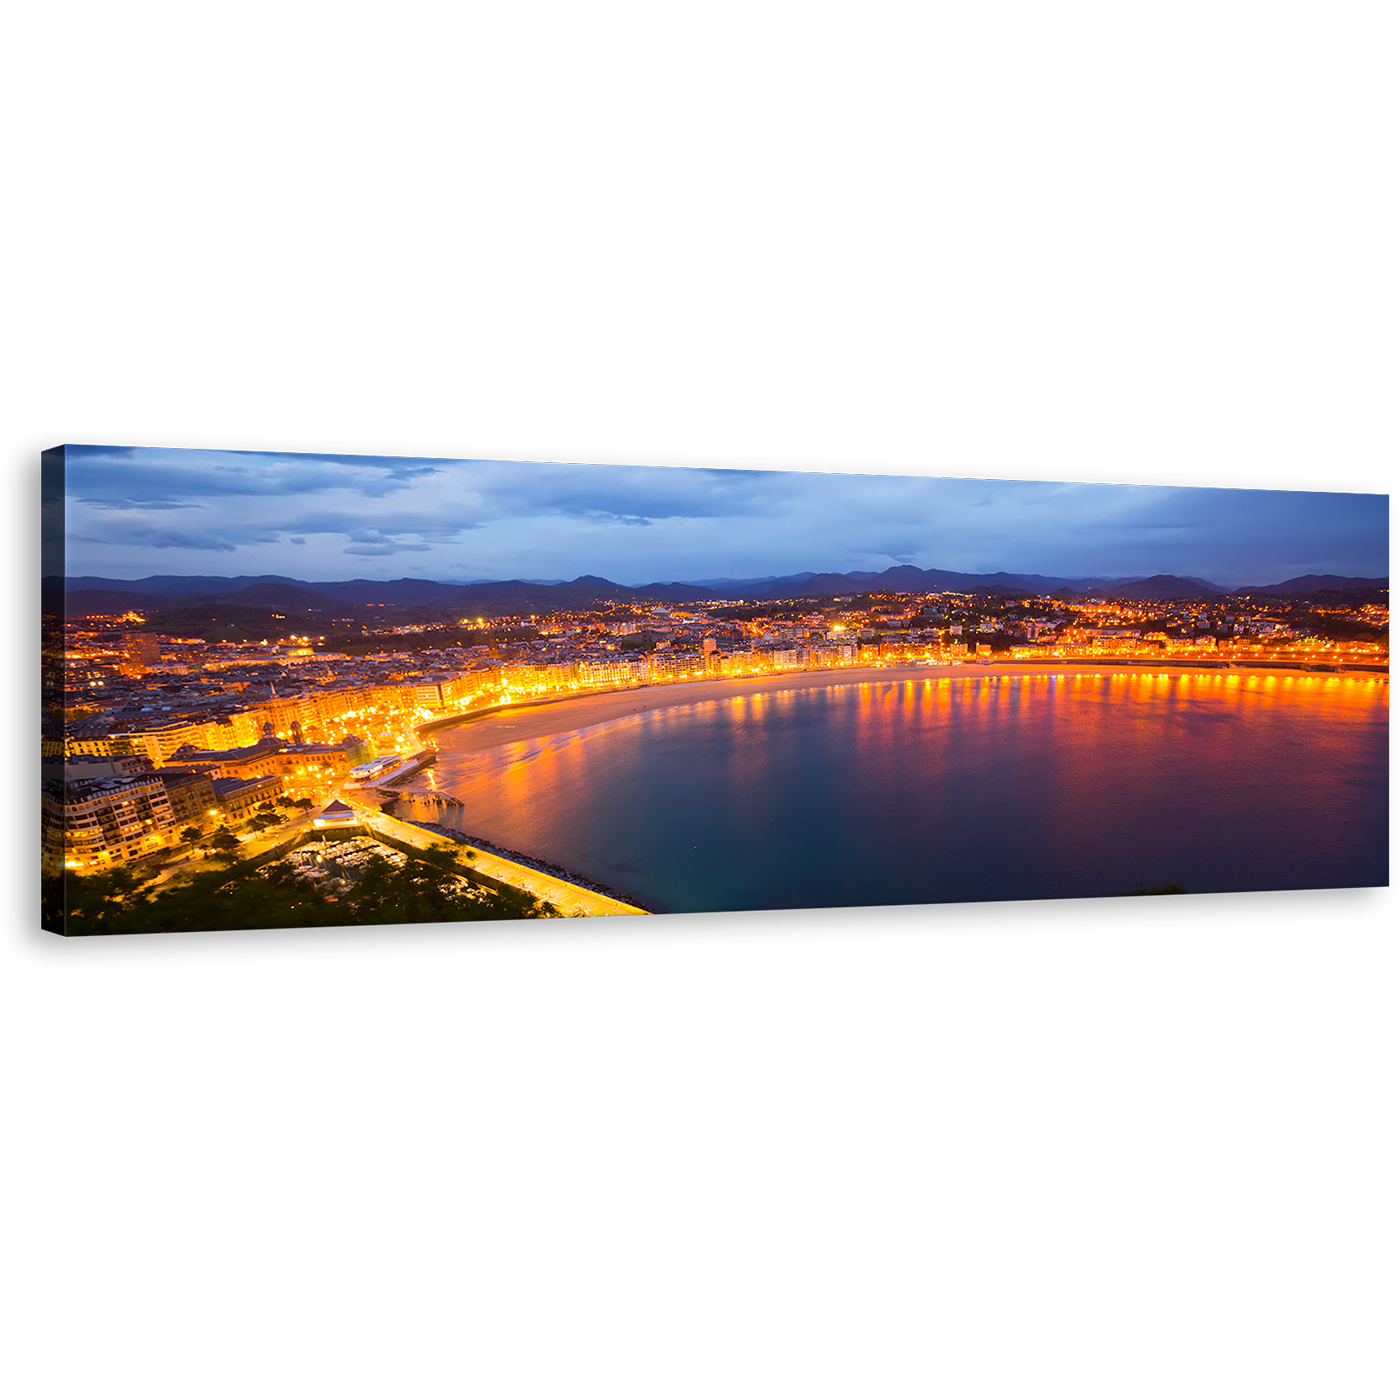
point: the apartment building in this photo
(674, 666)
(323, 762)
(236, 798)
(191, 797)
(100, 822)
(80, 767)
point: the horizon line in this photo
(870, 578)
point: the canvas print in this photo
(289, 690)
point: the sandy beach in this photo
(531, 720)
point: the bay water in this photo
(930, 790)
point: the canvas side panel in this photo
(53, 567)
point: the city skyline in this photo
(133, 512)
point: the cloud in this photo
(630, 495)
(629, 520)
(124, 477)
(126, 503)
(393, 468)
(893, 546)
(450, 535)
(378, 542)
(146, 538)
(74, 451)
(430, 522)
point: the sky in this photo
(133, 511)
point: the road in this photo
(253, 845)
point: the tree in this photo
(305, 803)
(262, 820)
(191, 834)
(52, 901)
(431, 886)
(224, 844)
(234, 899)
(101, 903)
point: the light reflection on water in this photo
(929, 790)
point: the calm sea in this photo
(929, 790)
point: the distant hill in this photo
(1316, 583)
(274, 595)
(403, 591)
(724, 583)
(78, 601)
(1165, 586)
(813, 585)
(516, 595)
(217, 621)
(907, 578)
(168, 595)
(88, 593)
(174, 585)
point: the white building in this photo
(335, 813)
(375, 768)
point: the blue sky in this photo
(134, 511)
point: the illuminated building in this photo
(79, 767)
(142, 652)
(190, 795)
(103, 821)
(335, 813)
(237, 797)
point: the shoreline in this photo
(528, 720)
(542, 719)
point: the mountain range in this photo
(165, 592)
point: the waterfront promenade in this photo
(542, 718)
(570, 899)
